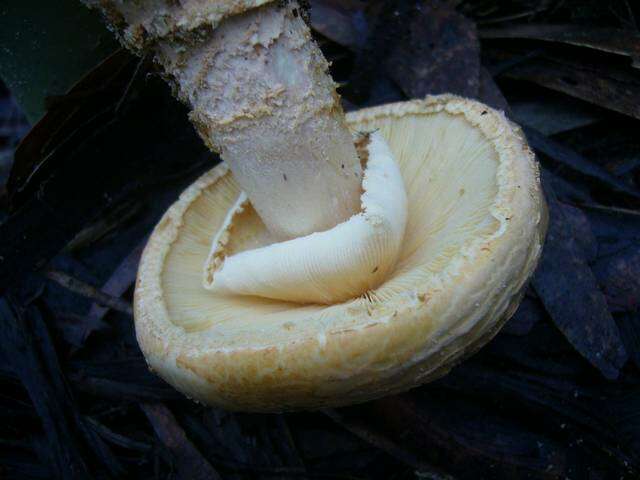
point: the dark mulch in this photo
(555, 395)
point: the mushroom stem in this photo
(260, 95)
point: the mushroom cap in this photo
(475, 228)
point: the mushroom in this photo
(251, 296)
(475, 227)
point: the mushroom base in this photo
(476, 224)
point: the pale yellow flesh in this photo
(449, 170)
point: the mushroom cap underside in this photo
(475, 228)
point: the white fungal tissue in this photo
(325, 267)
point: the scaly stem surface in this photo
(261, 97)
